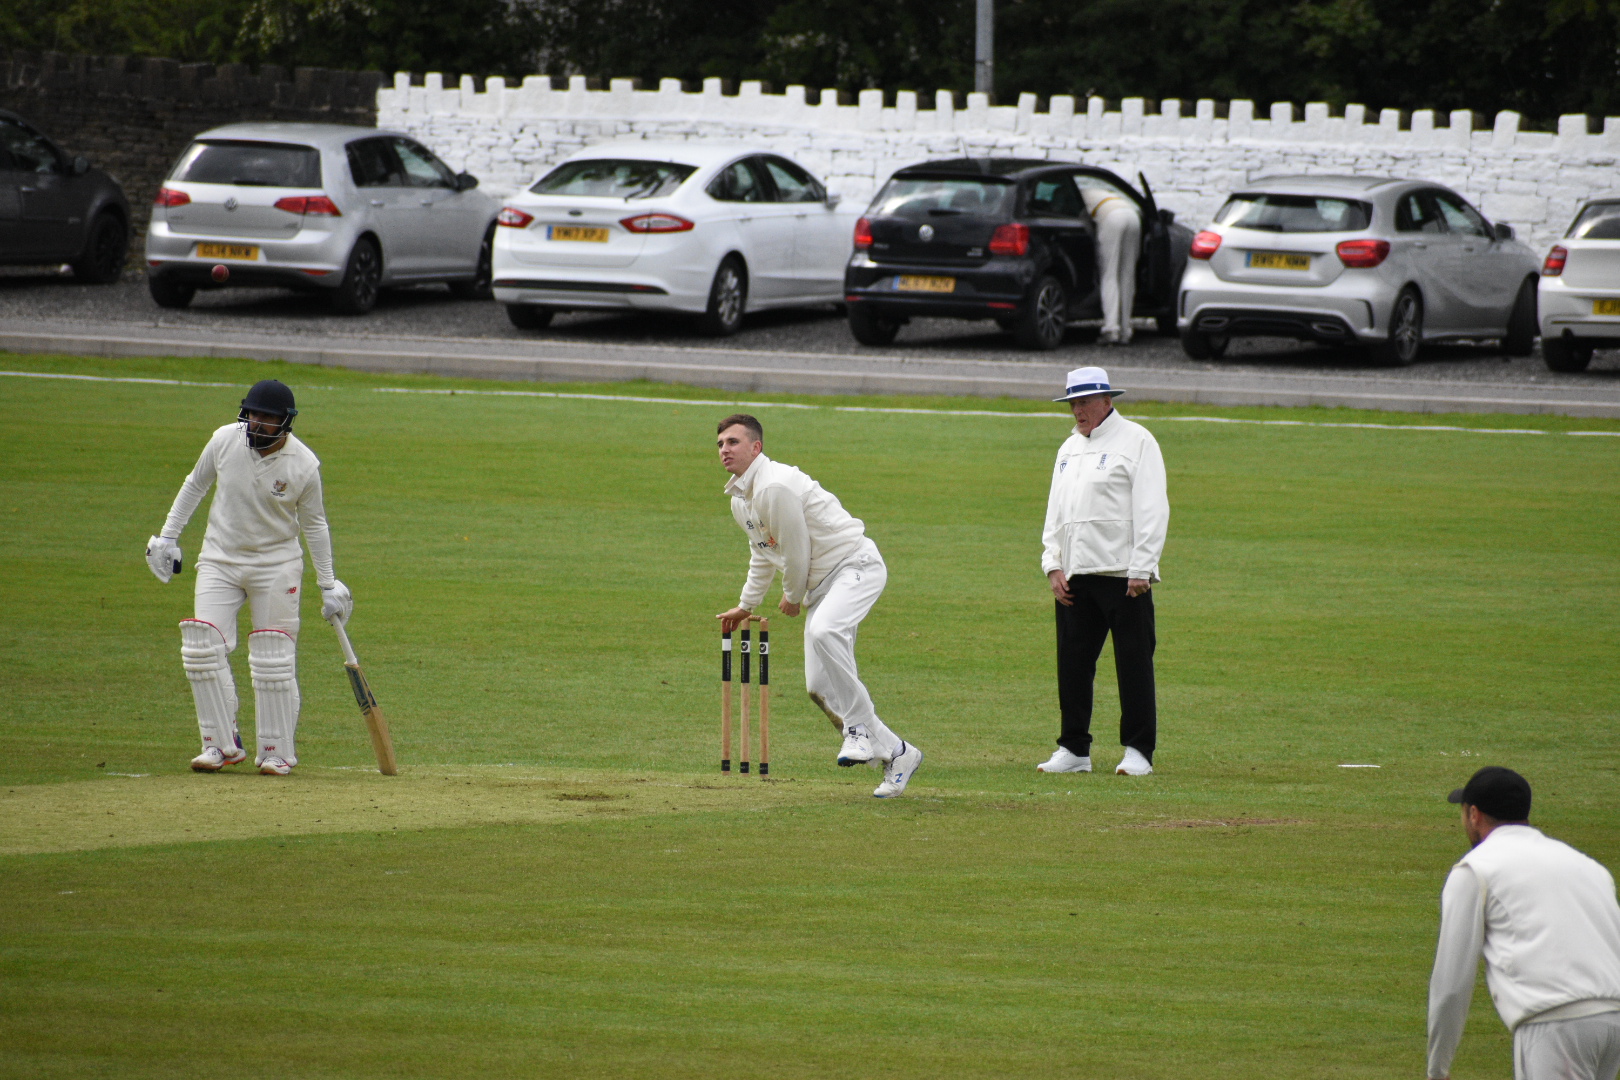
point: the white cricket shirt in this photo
(1109, 509)
(260, 506)
(1546, 919)
(794, 525)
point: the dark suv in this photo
(1003, 239)
(54, 208)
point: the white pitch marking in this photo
(1361, 766)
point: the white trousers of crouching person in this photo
(832, 619)
(1119, 242)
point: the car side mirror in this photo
(1504, 232)
(833, 199)
(1167, 216)
(80, 166)
(466, 182)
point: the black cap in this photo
(1501, 793)
(270, 396)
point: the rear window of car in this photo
(615, 179)
(1294, 213)
(909, 196)
(250, 164)
(1600, 221)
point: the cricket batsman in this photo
(269, 489)
(832, 571)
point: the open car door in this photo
(1153, 284)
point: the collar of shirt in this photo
(742, 487)
(1104, 428)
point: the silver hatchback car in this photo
(345, 210)
(1350, 260)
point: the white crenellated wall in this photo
(507, 135)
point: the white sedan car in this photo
(709, 229)
(1579, 298)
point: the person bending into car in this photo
(1119, 241)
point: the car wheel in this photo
(1520, 339)
(1565, 354)
(362, 279)
(1201, 346)
(103, 258)
(479, 287)
(1405, 332)
(728, 299)
(529, 316)
(170, 294)
(1045, 319)
(870, 328)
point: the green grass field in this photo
(559, 884)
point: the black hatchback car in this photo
(54, 208)
(1000, 238)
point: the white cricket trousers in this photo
(1586, 1048)
(1119, 242)
(831, 621)
(271, 593)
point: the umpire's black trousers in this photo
(1101, 607)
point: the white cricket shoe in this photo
(1064, 760)
(1134, 764)
(857, 748)
(274, 766)
(897, 773)
(214, 759)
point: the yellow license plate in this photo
(587, 233)
(228, 251)
(1606, 307)
(1278, 260)
(922, 283)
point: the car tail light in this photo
(656, 223)
(170, 197)
(1556, 258)
(513, 218)
(1010, 240)
(319, 205)
(1205, 244)
(1363, 253)
(863, 234)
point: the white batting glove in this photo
(163, 556)
(336, 600)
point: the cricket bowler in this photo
(269, 489)
(832, 571)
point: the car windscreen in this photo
(1294, 213)
(614, 178)
(918, 196)
(250, 164)
(1600, 221)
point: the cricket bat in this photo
(381, 742)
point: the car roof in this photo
(1303, 184)
(325, 136)
(985, 166)
(698, 154)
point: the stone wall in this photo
(133, 116)
(1192, 153)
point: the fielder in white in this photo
(832, 571)
(269, 488)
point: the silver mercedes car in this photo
(318, 207)
(1356, 260)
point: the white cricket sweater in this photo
(794, 525)
(1109, 511)
(1546, 919)
(260, 506)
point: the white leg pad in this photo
(273, 659)
(208, 667)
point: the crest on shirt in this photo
(1102, 463)
(279, 489)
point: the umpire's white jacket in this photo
(794, 525)
(1109, 511)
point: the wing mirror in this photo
(833, 199)
(1167, 216)
(466, 182)
(1504, 232)
(80, 166)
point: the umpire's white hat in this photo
(1086, 382)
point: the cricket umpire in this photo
(1106, 521)
(1545, 917)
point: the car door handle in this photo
(744, 220)
(1420, 245)
(376, 202)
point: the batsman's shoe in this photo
(275, 766)
(897, 773)
(857, 748)
(1134, 764)
(1065, 760)
(214, 759)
